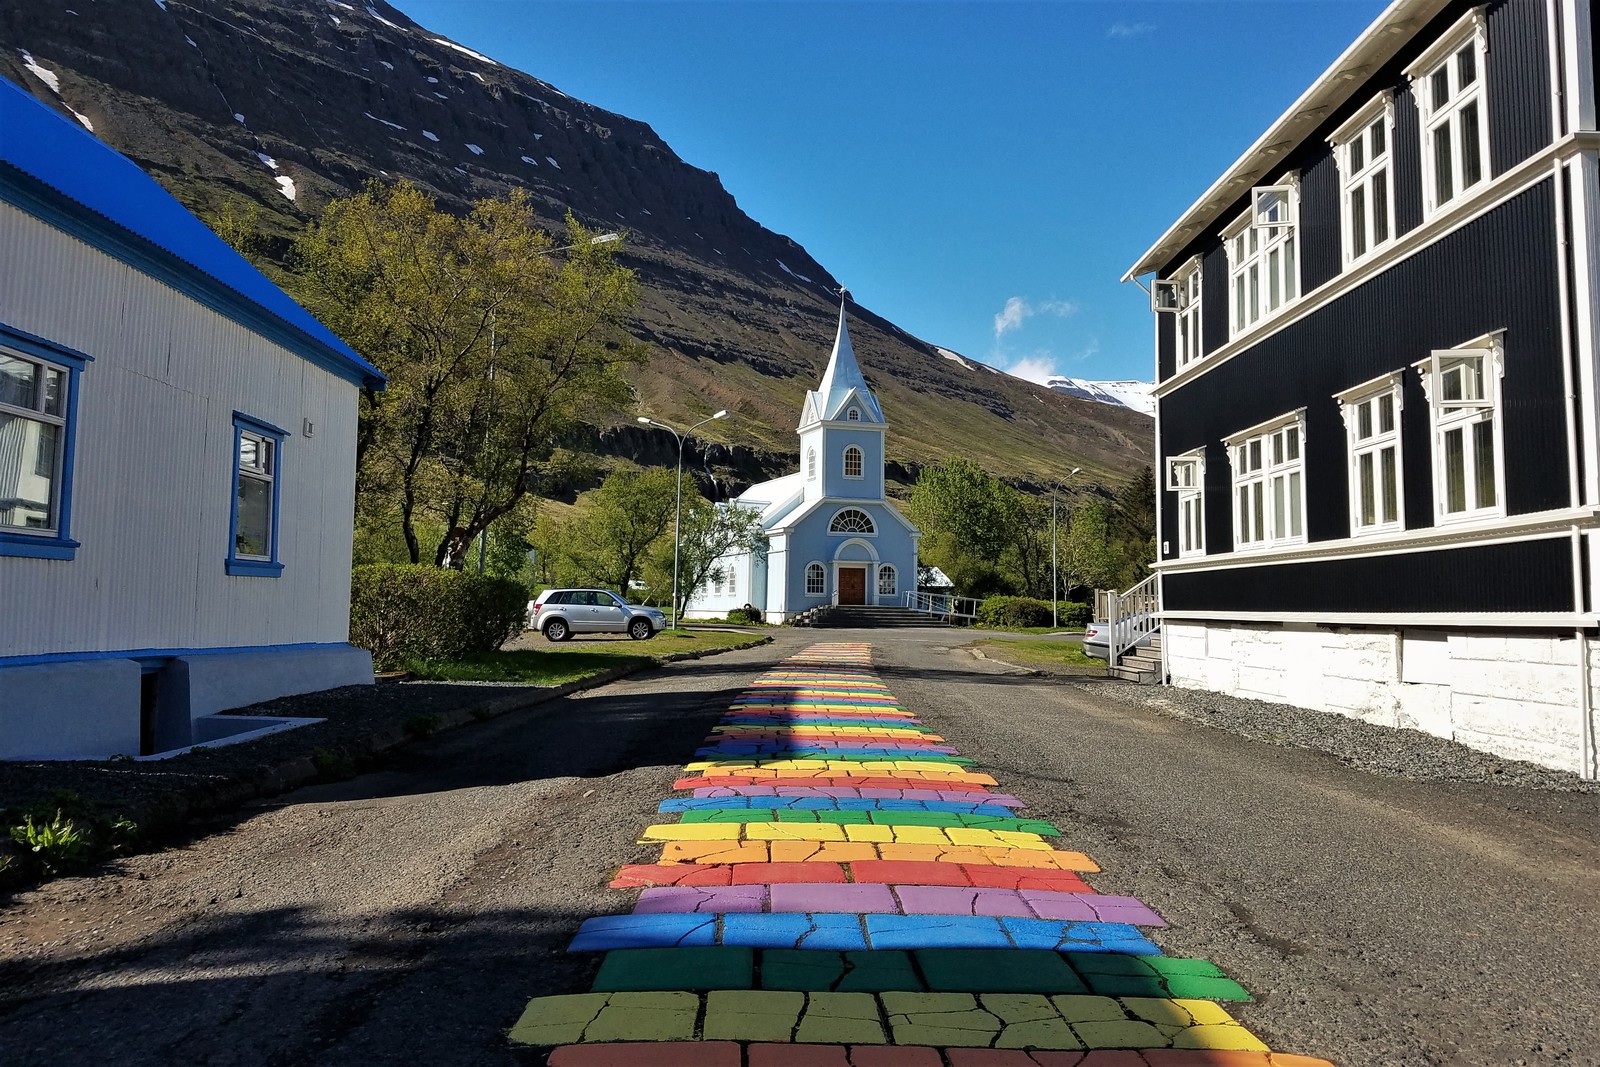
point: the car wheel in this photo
(640, 629)
(557, 630)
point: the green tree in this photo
(624, 518)
(492, 348)
(965, 515)
(1091, 555)
(710, 532)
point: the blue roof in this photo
(94, 188)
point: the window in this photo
(1269, 483)
(855, 415)
(733, 589)
(1463, 388)
(38, 406)
(1448, 83)
(257, 482)
(811, 464)
(886, 580)
(1186, 476)
(1188, 317)
(716, 582)
(1372, 421)
(852, 462)
(852, 520)
(1361, 148)
(1263, 270)
(816, 580)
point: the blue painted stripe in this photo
(841, 931)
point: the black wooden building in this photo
(1376, 382)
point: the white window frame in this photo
(1188, 344)
(1452, 410)
(860, 458)
(35, 418)
(887, 587)
(1364, 409)
(1470, 32)
(1263, 248)
(854, 415)
(816, 579)
(811, 464)
(1364, 167)
(1186, 476)
(870, 531)
(1268, 465)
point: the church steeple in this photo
(843, 386)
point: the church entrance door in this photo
(852, 585)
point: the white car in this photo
(1097, 635)
(560, 613)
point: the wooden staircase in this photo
(1142, 664)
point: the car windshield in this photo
(612, 599)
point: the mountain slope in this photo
(284, 104)
(1129, 394)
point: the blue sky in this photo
(982, 173)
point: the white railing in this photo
(943, 605)
(1132, 616)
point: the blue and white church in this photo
(831, 536)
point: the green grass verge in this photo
(1061, 657)
(584, 656)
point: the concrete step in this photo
(1133, 674)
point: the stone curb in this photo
(224, 794)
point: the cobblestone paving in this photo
(842, 889)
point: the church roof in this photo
(840, 381)
(774, 497)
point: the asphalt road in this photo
(407, 915)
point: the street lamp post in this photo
(677, 519)
(1055, 542)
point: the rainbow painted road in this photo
(841, 889)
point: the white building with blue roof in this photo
(177, 464)
(831, 535)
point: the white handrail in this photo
(1141, 607)
(943, 604)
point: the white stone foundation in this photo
(1513, 694)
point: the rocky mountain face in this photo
(285, 104)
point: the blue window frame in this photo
(38, 438)
(257, 489)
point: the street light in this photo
(677, 519)
(1055, 543)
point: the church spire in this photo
(843, 377)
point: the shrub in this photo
(58, 846)
(1021, 613)
(404, 612)
(745, 615)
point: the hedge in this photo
(1021, 613)
(403, 611)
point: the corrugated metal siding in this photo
(1214, 296)
(1499, 272)
(1167, 342)
(1517, 82)
(1407, 161)
(1321, 246)
(153, 476)
(1520, 576)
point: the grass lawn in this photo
(535, 661)
(1060, 657)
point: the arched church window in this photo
(816, 580)
(852, 462)
(811, 464)
(886, 577)
(855, 415)
(852, 520)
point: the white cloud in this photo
(1037, 368)
(1018, 310)
(1129, 29)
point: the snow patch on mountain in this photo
(1128, 394)
(953, 357)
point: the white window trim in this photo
(1272, 537)
(1381, 107)
(820, 569)
(894, 580)
(1239, 267)
(873, 532)
(1471, 27)
(1189, 495)
(811, 464)
(845, 462)
(1188, 286)
(1491, 347)
(1349, 402)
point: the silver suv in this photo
(560, 613)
